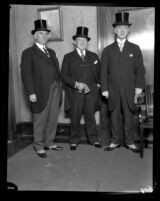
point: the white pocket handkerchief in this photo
(130, 55)
(96, 62)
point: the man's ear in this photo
(35, 35)
(129, 30)
(75, 43)
(115, 30)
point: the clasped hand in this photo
(33, 98)
(82, 86)
(105, 94)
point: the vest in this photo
(86, 73)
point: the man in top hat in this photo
(81, 76)
(122, 80)
(41, 78)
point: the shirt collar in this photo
(121, 41)
(79, 51)
(40, 46)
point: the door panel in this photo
(142, 33)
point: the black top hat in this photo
(40, 25)
(121, 19)
(81, 32)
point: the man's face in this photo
(41, 37)
(122, 31)
(81, 43)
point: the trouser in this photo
(83, 104)
(45, 123)
(122, 108)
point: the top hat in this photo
(81, 32)
(40, 25)
(121, 19)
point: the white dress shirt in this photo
(41, 46)
(121, 43)
(79, 52)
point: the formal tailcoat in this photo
(38, 73)
(71, 72)
(122, 69)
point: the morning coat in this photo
(122, 69)
(70, 73)
(36, 73)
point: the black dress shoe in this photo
(135, 150)
(97, 145)
(57, 148)
(111, 148)
(73, 147)
(42, 155)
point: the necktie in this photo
(121, 46)
(82, 55)
(46, 52)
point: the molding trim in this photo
(25, 129)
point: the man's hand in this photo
(86, 89)
(138, 91)
(105, 93)
(80, 86)
(33, 98)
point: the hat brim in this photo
(82, 36)
(33, 31)
(121, 24)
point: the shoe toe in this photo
(111, 148)
(73, 147)
(56, 148)
(97, 145)
(108, 149)
(42, 155)
(135, 150)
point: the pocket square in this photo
(96, 62)
(130, 55)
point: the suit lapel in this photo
(126, 46)
(77, 56)
(40, 52)
(91, 59)
(116, 48)
(54, 59)
(51, 60)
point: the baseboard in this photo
(25, 129)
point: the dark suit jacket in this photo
(124, 68)
(70, 73)
(36, 72)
